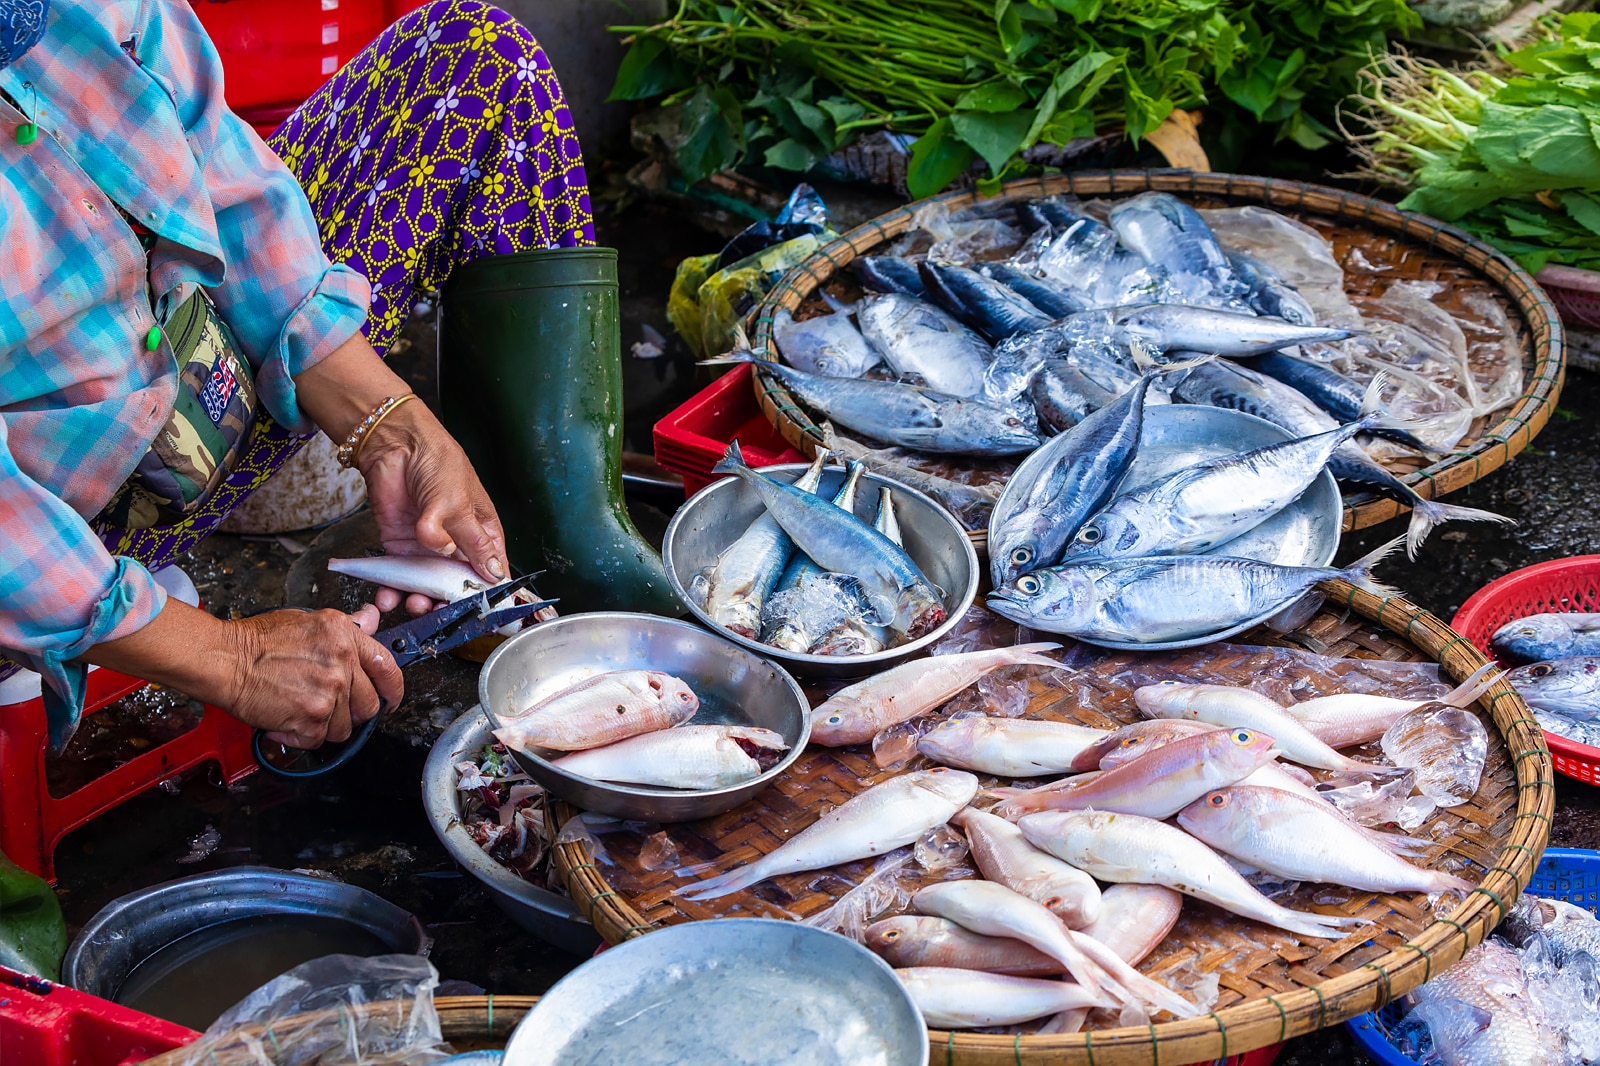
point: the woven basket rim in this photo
(1501, 441)
(1265, 1020)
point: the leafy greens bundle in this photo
(784, 83)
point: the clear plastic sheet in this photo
(1298, 254)
(947, 238)
(339, 1010)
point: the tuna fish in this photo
(1539, 637)
(918, 339)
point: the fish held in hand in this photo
(919, 940)
(1008, 747)
(1005, 857)
(884, 817)
(1159, 783)
(1125, 848)
(692, 757)
(1569, 687)
(857, 713)
(1346, 719)
(836, 540)
(601, 710)
(969, 999)
(1541, 637)
(433, 576)
(1301, 839)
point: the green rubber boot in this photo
(530, 382)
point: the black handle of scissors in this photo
(357, 741)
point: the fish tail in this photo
(1425, 514)
(1306, 923)
(737, 355)
(1443, 882)
(1139, 986)
(1359, 573)
(1068, 1021)
(732, 461)
(722, 884)
(1477, 683)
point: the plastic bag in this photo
(339, 1010)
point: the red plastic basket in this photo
(1576, 294)
(1559, 586)
(46, 1024)
(691, 439)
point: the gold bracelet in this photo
(350, 450)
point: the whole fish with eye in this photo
(911, 417)
(1180, 597)
(1157, 327)
(1214, 501)
(1539, 637)
(1008, 747)
(887, 273)
(918, 339)
(599, 710)
(824, 344)
(901, 597)
(1227, 385)
(802, 605)
(986, 305)
(734, 589)
(920, 940)
(884, 817)
(850, 633)
(1568, 687)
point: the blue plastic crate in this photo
(1570, 874)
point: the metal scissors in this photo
(425, 637)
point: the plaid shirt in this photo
(131, 117)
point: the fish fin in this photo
(732, 461)
(835, 305)
(1068, 1021)
(721, 885)
(1297, 613)
(1425, 514)
(1183, 364)
(1476, 684)
(1359, 573)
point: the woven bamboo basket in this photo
(1274, 985)
(1409, 246)
(469, 1023)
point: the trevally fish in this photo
(920, 419)
(802, 605)
(952, 998)
(986, 305)
(1175, 597)
(887, 273)
(690, 756)
(1346, 719)
(1003, 856)
(1301, 839)
(1267, 293)
(857, 713)
(1210, 503)
(1159, 783)
(884, 817)
(1538, 637)
(826, 344)
(1125, 848)
(734, 589)
(921, 940)
(1052, 300)
(1008, 747)
(1228, 385)
(1569, 687)
(918, 339)
(837, 540)
(600, 710)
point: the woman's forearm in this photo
(183, 647)
(346, 387)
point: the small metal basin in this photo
(730, 991)
(719, 514)
(546, 914)
(735, 686)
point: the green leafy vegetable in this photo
(33, 936)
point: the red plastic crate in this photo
(276, 53)
(1560, 585)
(46, 1024)
(691, 439)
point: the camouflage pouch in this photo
(211, 420)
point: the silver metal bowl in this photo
(730, 991)
(1306, 533)
(547, 915)
(735, 687)
(719, 514)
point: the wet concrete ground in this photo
(367, 827)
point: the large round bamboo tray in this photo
(1274, 985)
(1409, 245)
(469, 1023)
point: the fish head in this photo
(1528, 640)
(846, 713)
(952, 737)
(739, 616)
(1059, 598)
(1241, 749)
(1014, 549)
(954, 786)
(1569, 687)
(922, 608)
(1216, 810)
(1166, 699)
(894, 938)
(1125, 530)
(674, 694)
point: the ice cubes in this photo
(1445, 746)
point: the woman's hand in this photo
(304, 676)
(426, 496)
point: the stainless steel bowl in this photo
(547, 915)
(719, 514)
(1306, 533)
(731, 991)
(735, 687)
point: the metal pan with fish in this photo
(719, 514)
(726, 686)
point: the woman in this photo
(181, 305)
